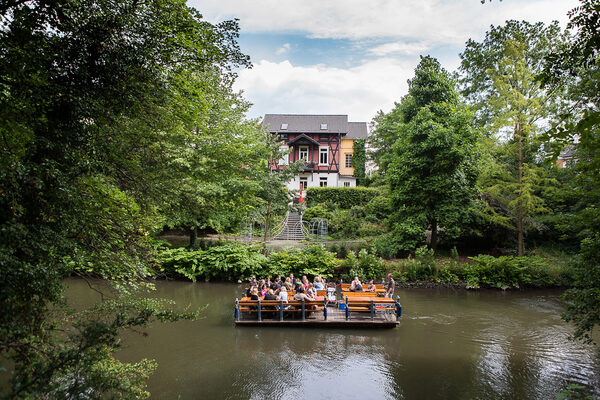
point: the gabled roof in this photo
(356, 130)
(303, 139)
(304, 123)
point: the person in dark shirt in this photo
(254, 293)
(270, 295)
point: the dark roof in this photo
(301, 123)
(356, 130)
(303, 139)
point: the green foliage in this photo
(233, 261)
(310, 261)
(359, 161)
(343, 197)
(317, 211)
(583, 301)
(366, 266)
(103, 104)
(403, 239)
(431, 166)
(230, 262)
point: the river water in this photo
(449, 345)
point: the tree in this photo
(359, 160)
(432, 167)
(581, 124)
(93, 106)
(498, 78)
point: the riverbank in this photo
(233, 262)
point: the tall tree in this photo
(93, 105)
(432, 167)
(580, 127)
(498, 79)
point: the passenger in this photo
(390, 286)
(300, 295)
(262, 287)
(356, 286)
(311, 292)
(319, 285)
(282, 295)
(254, 293)
(269, 283)
(277, 283)
(305, 283)
(371, 287)
(270, 295)
(292, 281)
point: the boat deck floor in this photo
(335, 319)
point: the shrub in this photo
(318, 211)
(343, 197)
(311, 261)
(379, 207)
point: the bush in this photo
(318, 211)
(366, 266)
(343, 197)
(404, 238)
(379, 207)
(310, 261)
(231, 261)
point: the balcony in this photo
(307, 166)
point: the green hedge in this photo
(343, 197)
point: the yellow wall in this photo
(347, 148)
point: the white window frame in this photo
(323, 181)
(346, 163)
(300, 150)
(323, 127)
(326, 153)
(285, 159)
(303, 183)
(346, 184)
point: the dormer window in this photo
(284, 126)
(323, 127)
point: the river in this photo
(450, 344)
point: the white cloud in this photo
(436, 21)
(359, 92)
(400, 48)
(283, 49)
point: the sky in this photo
(354, 57)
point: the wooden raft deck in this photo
(336, 318)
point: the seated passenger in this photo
(282, 295)
(355, 286)
(253, 293)
(300, 295)
(319, 285)
(371, 287)
(270, 295)
(311, 292)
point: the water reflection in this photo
(450, 345)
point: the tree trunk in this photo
(519, 201)
(193, 236)
(434, 235)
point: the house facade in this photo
(324, 142)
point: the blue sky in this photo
(354, 56)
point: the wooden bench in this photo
(345, 286)
(372, 306)
(272, 307)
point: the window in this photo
(323, 127)
(283, 137)
(323, 155)
(284, 126)
(285, 158)
(323, 181)
(303, 183)
(348, 160)
(346, 184)
(303, 153)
